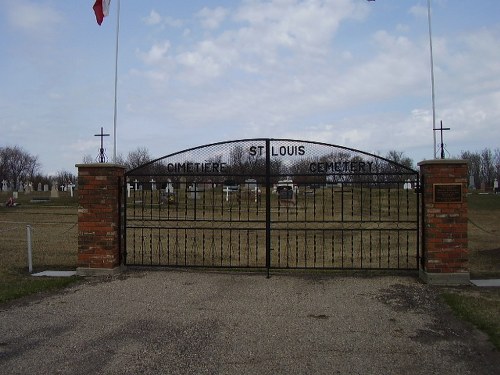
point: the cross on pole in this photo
(102, 155)
(442, 144)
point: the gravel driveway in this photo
(196, 322)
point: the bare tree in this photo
(137, 158)
(65, 177)
(487, 167)
(17, 165)
(474, 164)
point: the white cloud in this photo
(156, 54)
(34, 19)
(212, 18)
(154, 18)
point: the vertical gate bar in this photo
(315, 257)
(399, 197)
(389, 200)
(279, 250)
(221, 246)
(239, 248)
(342, 247)
(248, 248)
(361, 201)
(333, 248)
(388, 249)
(151, 244)
(296, 248)
(361, 233)
(419, 187)
(370, 201)
(124, 222)
(332, 196)
(185, 246)
(352, 201)
(268, 205)
(379, 201)
(342, 202)
(142, 245)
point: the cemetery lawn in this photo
(481, 306)
(54, 239)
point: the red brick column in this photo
(99, 188)
(444, 229)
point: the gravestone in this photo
(28, 188)
(4, 185)
(483, 187)
(54, 193)
(472, 184)
(46, 187)
(70, 187)
(169, 189)
(39, 187)
(182, 186)
(196, 191)
(495, 186)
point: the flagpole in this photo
(116, 78)
(432, 78)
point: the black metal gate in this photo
(272, 203)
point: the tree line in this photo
(18, 166)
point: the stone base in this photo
(445, 279)
(86, 271)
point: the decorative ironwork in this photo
(272, 203)
(101, 158)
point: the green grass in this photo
(482, 310)
(483, 202)
(16, 285)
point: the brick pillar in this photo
(99, 188)
(444, 237)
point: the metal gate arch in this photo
(272, 203)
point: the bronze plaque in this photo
(447, 193)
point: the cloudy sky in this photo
(347, 72)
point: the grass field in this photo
(54, 224)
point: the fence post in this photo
(99, 199)
(30, 247)
(444, 214)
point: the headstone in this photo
(70, 187)
(4, 185)
(153, 184)
(28, 188)
(483, 186)
(20, 187)
(129, 187)
(169, 189)
(182, 186)
(196, 191)
(407, 185)
(472, 185)
(54, 193)
(46, 187)
(495, 186)
(39, 187)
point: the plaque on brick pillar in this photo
(447, 193)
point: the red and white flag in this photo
(101, 10)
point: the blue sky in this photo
(347, 72)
